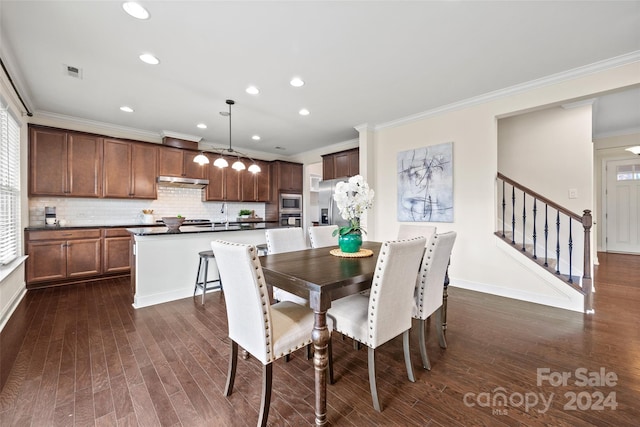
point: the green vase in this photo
(350, 243)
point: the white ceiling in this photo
(363, 62)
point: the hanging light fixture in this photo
(201, 159)
(634, 149)
(221, 162)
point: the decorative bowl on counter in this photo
(173, 222)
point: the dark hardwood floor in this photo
(88, 358)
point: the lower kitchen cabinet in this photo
(116, 252)
(58, 257)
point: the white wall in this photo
(550, 151)
(478, 261)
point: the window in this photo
(9, 186)
(628, 172)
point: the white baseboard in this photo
(564, 303)
(16, 298)
(147, 300)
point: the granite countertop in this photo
(84, 227)
(190, 229)
(253, 223)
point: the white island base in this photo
(165, 265)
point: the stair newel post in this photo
(570, 250)
(587, 288)
(504, 207)
(513, 215)
(524, 220)
(558, 242)
(546, 234)
(535, 212)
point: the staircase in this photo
(551, 236)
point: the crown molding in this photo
(186, 137)
(574, 73)
(132, 133)
(364, 127)
(578, 104)
(620, 132)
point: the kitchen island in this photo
(165, 263)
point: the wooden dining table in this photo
(321, 277)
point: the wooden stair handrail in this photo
(540, 197)
(586, 220)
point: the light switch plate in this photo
(573, 193)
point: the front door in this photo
(622, 199)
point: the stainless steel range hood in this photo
(177, 181)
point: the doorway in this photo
(622, 197)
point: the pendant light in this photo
(221, 162)
(634, 150)
(201, 159)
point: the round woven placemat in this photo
(362, 253)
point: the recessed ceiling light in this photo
(256, 137)
(149, 59)
(303, 112)
(126, 109)
(135, 9)
(634, 150)
(296, 82)
(252, 90)
(201, 125)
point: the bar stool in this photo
(262, 249)
(202, 283)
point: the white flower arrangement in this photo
(353, 198)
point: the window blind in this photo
(9, 186)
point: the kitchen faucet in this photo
(225, 210)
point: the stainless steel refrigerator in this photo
(329, 213)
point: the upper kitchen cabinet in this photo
(229, 185)
(256, 186)
(130, 170)
(342, 164)
(286, 176)
(179, 162)
(224, 184)
(63, 163)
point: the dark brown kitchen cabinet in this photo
(130, 170)
(116, 252)
(286, 176)
(232, 184)
(178, 162)
(225, 184)
(64, 163)
(62, 255)
(255, 186)
(342, 164)
(215, 191)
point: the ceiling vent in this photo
(72, 71)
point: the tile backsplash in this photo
(171, 201)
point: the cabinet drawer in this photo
(93, 233)
(115, 232)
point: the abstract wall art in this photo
(425, 184)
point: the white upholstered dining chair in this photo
(385, 313)
(407, 231)
(286, 240)
(322, 236)
(429, 289)
(268, 332)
